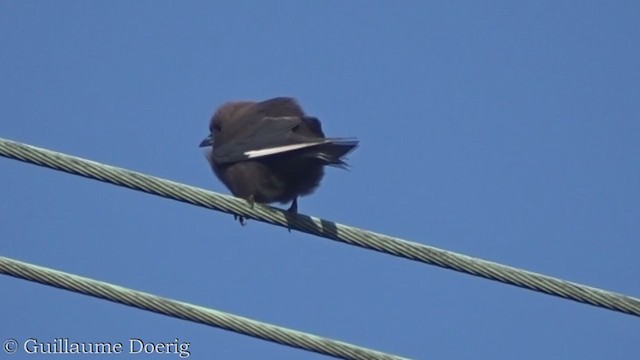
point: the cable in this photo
(187, 311)
(320, 227)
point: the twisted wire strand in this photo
(321, 227)
(188, 312)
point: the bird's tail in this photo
(333, 151)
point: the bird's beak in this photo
(208, 141)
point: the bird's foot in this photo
(240, 219)
(294, 206)
(250, 201)
(293, 210)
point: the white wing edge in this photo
(281, 149)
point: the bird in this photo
(270, 151)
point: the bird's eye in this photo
(216, 128)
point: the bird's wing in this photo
(267, 137)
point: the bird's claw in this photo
(240, 219)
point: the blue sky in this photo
(507, 131)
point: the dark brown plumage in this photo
(271, 151)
